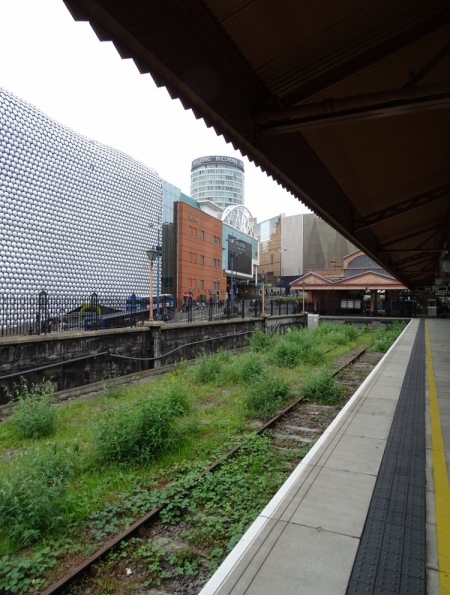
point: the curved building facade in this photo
(218, 179)
(74, 214)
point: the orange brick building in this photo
(199, 240)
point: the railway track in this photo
(292, 432)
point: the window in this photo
(202, 235)
(202, 284)
(216, 263)
(202, 260)
(217, 240)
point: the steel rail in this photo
(140, 524)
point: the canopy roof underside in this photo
(346, 104)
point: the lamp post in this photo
(158, 251)
(231, 241)
(151, 255)
(303, 285)
(263, 291)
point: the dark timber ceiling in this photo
(345, 103)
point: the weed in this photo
(267, 396)
(33, 500)
(336, 334)
(252, 367)
(261, 342)
(287, 354)
(297, 347)
(386, 335)
(35, 415)
(177, 394)
(208, 368)
(320, 387)
(140, 433)
(18, 576)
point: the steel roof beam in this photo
(359, 107)
(382, 247)
(397, 250)
(402, 207)
(413, 259)
(365, 59)
(429, 66)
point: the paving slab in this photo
(353, 453)
(286, 504)
(379, 406)
(370, 425)
(282, 573)
(384, 392)
(336, 501)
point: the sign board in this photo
(241, 253)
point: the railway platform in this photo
(367, 511)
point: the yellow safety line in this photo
(441, 485)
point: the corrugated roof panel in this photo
(287, 46)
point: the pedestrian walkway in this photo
(368, 510)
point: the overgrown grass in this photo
(267, 396)
(33, 496)
(320, 387)
(141, 432)
(35, 415)
(386, 335)
(105, 454)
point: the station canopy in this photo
(345, 103)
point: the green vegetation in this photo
(320, 387)
(386, 335)
(35, 415)
(267, 396)
(111, 460)
(139, 432)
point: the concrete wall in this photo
(20, 354)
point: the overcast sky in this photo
(60, 66)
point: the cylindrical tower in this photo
(218, 179)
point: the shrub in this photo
(267, 396)
(336, 334)
(140, 432)
(176, 392)
(252, 367)
(386, 335)
(209, 368)
(297, 347)
(33, 500)
(321, 388)
(35, 414)
(261, 342)
(287, 354)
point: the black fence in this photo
(44, 313)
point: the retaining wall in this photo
(20, 355)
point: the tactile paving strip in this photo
(391, 554)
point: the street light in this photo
(158, 254)
(303, 285)
(152, 255)
(263, 291)
(232, 241)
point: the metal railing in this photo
(44, 313)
